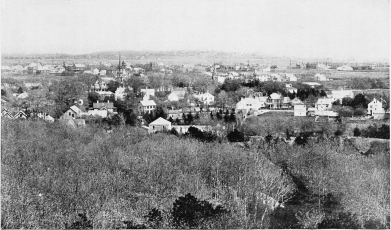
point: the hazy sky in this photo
(303, 28)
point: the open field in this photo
(32, 78)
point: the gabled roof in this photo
(375, 101)
(77, 109)
(322, 101)
(275, 96)
(147, 103)
(160, 121)
(179, 94)
(99, 105)
(297, 101)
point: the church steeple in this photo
(119, 72)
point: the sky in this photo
(350, 29)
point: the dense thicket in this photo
(55, 177)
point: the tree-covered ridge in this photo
(55, 177)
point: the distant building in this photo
(177, 95)
(265, 68)
(233, 75)
(139, 70)
(206, 98)
(78, 67)
(221, 78)
(262, 78)
(103, 72)
(322, 66)
(276, 77)
(95, 71)
(151, 92)
(290, 77)
(340, 94)
(345, 68)
(320, 77)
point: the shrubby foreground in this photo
(57, 177)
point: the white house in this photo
(323, 104)
(233, 75)
(251, 103)
(146, 105)
(151, 92)
(299, 110)
(102, 109)
(291, 77)
(73, 112)
(265, 68)
(262, 78)
(206, 98)
(276, 77)
(375, 109)
(159, 125)
(221, 78)
(139, 70)
(340, 94)
(95, 71)
(103, 72)
(322, 66)
(345, 68)
(320, 77)
(275, 100)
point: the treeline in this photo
(366, 83)
(382, 132)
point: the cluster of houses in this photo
(98, 109)
(323, 106)
(20, 114)
(260, 76)
(36, 68)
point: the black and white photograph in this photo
(195, 114)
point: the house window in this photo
(73, 115)
(69, 113)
